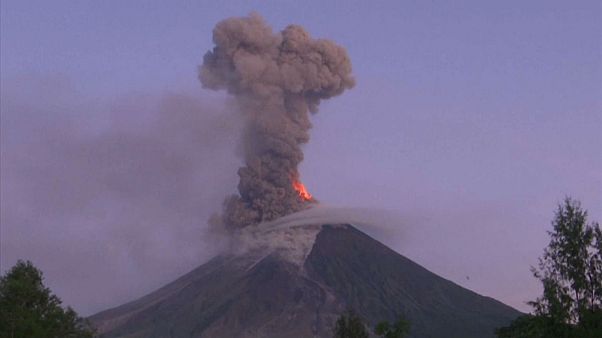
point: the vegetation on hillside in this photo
(350, 325)
(29, 309)
(570, 272)
(399, 329)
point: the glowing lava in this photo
(302, 190)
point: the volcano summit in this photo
(287, 273)
(291, 280)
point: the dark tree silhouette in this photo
(570, 271)
(399, 329)
(29, 309)
(350, 325)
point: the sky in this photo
(470, 121)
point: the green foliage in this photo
(399, 329)
(350, 325)
(537, 326)
(529, 326)
(570, 271)
(526, 326)
(28, 309)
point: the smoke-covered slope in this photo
(266, 295)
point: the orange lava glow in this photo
(302, 190)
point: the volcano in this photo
(299, 286)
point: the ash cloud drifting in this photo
(109, 196)
(277, 79)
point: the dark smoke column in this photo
(277, 79)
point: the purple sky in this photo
(472, 120)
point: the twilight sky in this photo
(470, 121)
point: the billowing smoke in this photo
(277, 79)
(111, 186)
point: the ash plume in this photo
(277, 79)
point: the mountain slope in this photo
(393, 285)
(262, 294)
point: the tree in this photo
(350, 325)
(29, 309)
(399, 329)
(570, 271)
(527, 326)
